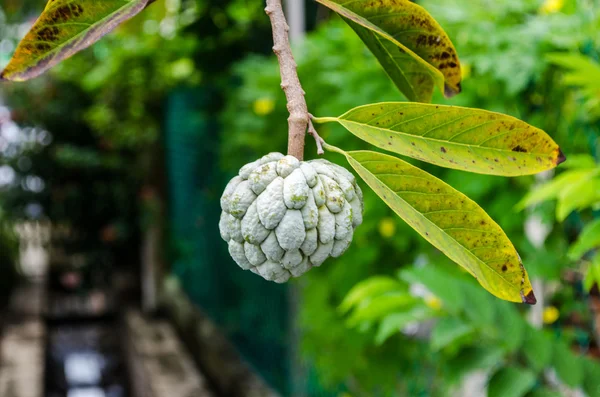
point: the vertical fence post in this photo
(295, 11)
(296, 15)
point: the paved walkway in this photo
(22, 348)
(159, 364)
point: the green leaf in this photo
(537, 349)
(450, 136)
(568, 366)
(368, 288)
(448, 330)
(380, 306)
(591, 382)
(592, 277)
(545, 392)
(588, 240)
(577, 196)
(471, 359)
(439, 282)
(553, 189)
(410, 45)
(395, 322)
(65, 28)
(510, 325)
(481, 308)
(511, 382)
(449, 220)
(584, 70)
(580, 161)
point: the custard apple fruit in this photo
(282, 216)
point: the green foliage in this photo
(475, 332)
(584, 73)
(568, 366)
(125, 109)
(73, 157)
(587, 240)
(511, 382)
(577, 189)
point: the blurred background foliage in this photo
(393, 316)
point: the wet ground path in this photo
(56, 344)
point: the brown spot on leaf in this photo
(443, 149)
(519, 149)
(48, 33)
(530, 298)
(561, 157)
(43, 47)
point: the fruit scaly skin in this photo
(282, 216)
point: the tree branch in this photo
(290, 82)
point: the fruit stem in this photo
(299, 119)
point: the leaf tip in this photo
(561, 157)
(450, 91)
(529, 298)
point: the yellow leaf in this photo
(467, 139)
(449, 220)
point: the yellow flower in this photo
(551, 314)
(387, 227)
(263, 106)
(552, 6)
(433, 302)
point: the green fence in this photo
(251, 311)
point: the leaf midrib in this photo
(427, 139)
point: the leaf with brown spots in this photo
(65, 28)
(449, 220)
(411, 46)
(454, 137)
